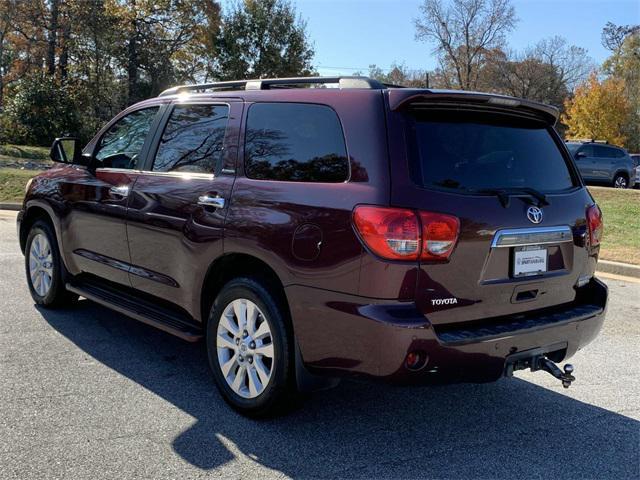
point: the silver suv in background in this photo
(603, 163)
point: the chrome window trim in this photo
(533, 236)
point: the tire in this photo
(250, 381)
(620, 181)
(44, 268)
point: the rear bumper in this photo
(343, 334)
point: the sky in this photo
(350, 35)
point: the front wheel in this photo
(620, 181)
(44, 267)
(248, 344)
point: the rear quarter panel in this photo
(264, 215)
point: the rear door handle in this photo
(120, 191)
(211, 201)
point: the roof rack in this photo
(587, 140)
(271, 83)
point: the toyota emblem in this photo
(534, 214)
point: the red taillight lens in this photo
(392, 233)
(439, 235)
(596, 226)
(396, 233)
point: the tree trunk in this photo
(64, 55)
(52, 39)
(132, 58)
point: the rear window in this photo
(295, 142)
(469, 151)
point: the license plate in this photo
(531, 260)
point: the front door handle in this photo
(120, 191)
(211, 201)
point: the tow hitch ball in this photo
(540, 362)
(566, 377)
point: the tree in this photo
(547, 72)
(598, 110)
(463, 34)
(262, 38)
(571, 63)
(624, 63)
(399, 74)
(523, 76)
(613, 36)
(162, 41)
(40, 110)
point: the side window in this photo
(618, 153)
(192, 140)
(603, 152)
(295, 142)
(120, 146)
(587, 150)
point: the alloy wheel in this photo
(620, 182)
(245, 348)
(41, 264)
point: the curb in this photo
(618, 268)
(10, 206)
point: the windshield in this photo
(474, 151)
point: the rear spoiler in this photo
(404, 98)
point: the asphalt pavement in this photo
(89, 393)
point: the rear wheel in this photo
(44, 268)
(620, 181)
(248, 348)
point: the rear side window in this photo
(469, 151)
(192, 140)
(295, 142)
(604, 152)
(617, 153)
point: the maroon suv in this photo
(313, 228)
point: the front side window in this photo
(587, 150)
(295, 142)
(467, 151)
(121, 145)
(192, 140)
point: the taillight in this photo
(392, 233)
(596, 226)
(401, 234)
(439, 235)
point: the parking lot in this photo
(88, 393)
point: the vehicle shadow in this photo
(362, 430)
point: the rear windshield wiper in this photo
(504, 194)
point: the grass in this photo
(12, 183)
(25, 152)
(15, 156)
(621, 213)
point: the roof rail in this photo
(587, 140)
(269, 83)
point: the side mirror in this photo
(581, 155)
(66, 150)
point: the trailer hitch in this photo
(537, 360)
(543, 363)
